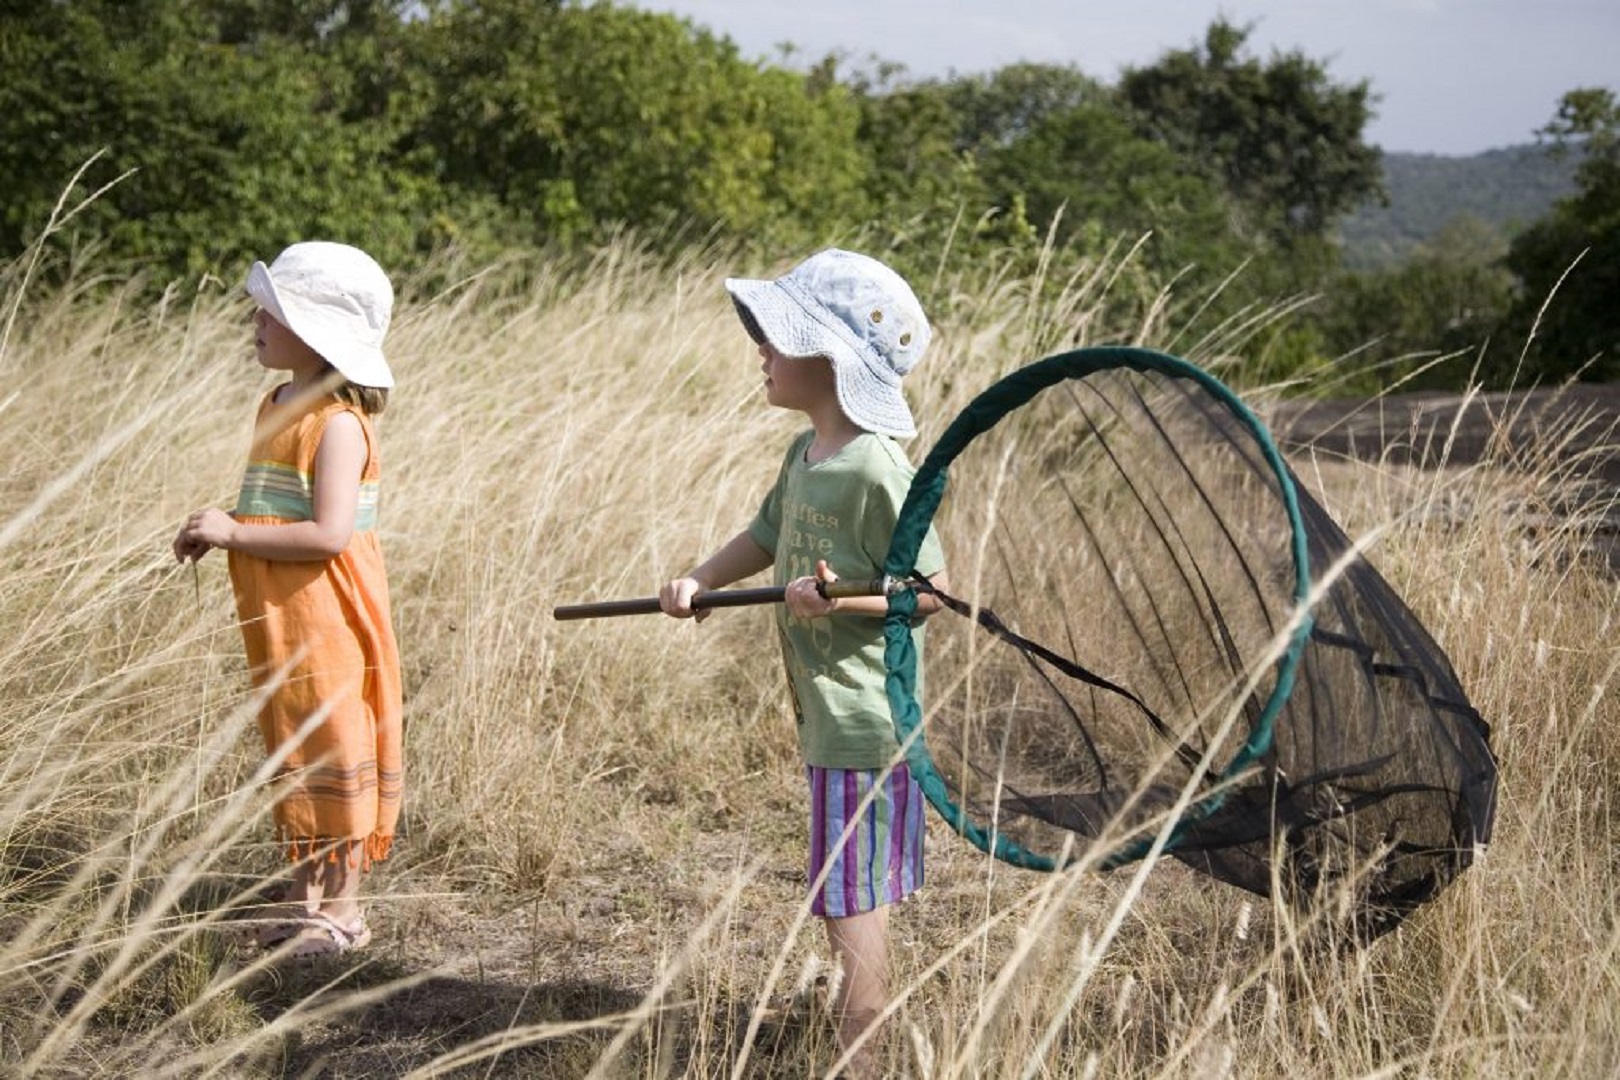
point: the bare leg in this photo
(328, 884)
(332, 920)
(278, 920)
(860, 945)
(339, 885)
(304, 895)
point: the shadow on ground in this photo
(461, 1027)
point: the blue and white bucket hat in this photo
(337, 299)
(853, 310)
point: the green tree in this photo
(1569, 260)
(1280, 136)
(1031, 151)
(1451, 296)
(1084, 168)
(234, 135)
(922, 185)
(1012, 102)
(580, 117)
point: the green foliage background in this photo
(458, 133)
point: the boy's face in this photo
(792, 382)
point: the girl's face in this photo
(794, 382)
(279, 349)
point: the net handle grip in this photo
(722, 598)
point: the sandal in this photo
(322, 935)
(271, 933)
(265, 926)
(276, 892)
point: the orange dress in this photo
(319, 633)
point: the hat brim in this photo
(358, 362)
(771, 313)
(262, 288)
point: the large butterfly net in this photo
(1130, 551)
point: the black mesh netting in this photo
(1123, 547)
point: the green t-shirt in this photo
(843, 510)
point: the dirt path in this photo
(1568, 439)
(1578, 425)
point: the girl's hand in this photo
(803, 598)
(187, 548)
(211, 528)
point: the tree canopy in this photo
(229, 128)
(1569, 261)
(1280, 135)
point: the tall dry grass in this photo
(600, 872)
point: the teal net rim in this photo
(917, 514)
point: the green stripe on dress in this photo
(281, 491)
(278, 491)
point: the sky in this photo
(1451, 76)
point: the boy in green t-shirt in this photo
(836, 335)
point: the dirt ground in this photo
(462, 968)
(1570, 433)
(1432, 429)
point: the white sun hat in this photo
(337, 299)
(853, 310)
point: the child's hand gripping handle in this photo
(719, 598)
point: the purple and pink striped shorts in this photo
(881, 861)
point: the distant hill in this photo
(1506, 189)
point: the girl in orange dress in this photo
(310, 586)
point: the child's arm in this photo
(806, 602)
(738, 558)
(339, 461)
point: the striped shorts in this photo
(881, 861)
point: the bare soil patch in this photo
(1580, 424)
(1570, 435)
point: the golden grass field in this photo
(600, 873)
